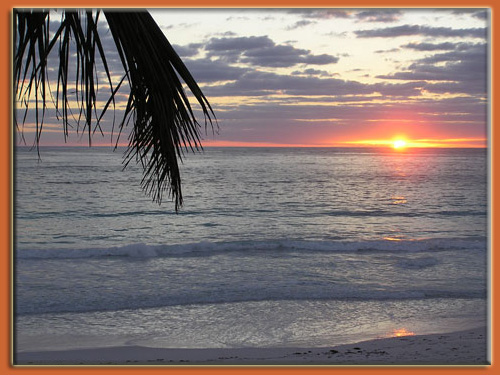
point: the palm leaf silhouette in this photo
(164, 122)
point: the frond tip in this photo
(164, 123)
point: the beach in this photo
(468, 347)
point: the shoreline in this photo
(459, 348)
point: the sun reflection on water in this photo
(393, 239)
(401, 332)
(398, 200)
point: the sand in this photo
(456, 348)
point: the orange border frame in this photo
(6, 167)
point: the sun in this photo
(399, 143)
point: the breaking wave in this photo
(141, 250)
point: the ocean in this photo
(274, 247)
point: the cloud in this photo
(421, 111)
(187, 51)
(262, 51)
(255, 83)
(430, 46)
(407, 30)
(475, 53)
(481, 15)
(399, 90)
(230, 50)
(300, 24)
(312, 72)
(238, 43)
(208, 71)
(447, 46)
(459, 71)
(387, 50)
(238, 18)
(184, 25)
(379, 15)
(322, 13)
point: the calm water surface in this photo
(273, 247)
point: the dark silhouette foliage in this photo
(163, 120)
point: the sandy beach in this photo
(457, 348)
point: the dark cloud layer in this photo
(479, 14)
(257, 83)
(254, 83)
(262, 51)
(430, 46)
(452, 68)
(187, 51)
(206, 70)
(312, 72)
(430, 112)
(447, 46)
(408, 30)
(459, 71)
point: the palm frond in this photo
(163, 119)
(164, 123)
(77, 30)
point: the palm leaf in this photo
(164, 124)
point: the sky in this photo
(332, 77)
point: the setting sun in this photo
(399, 143)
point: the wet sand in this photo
(457, 348)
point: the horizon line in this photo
(34, 147)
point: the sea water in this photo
(273, 247)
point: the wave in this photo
(132, 301)
(335, 213)
(413, 213)
(369, 296)
(417, 264)
(142, 250)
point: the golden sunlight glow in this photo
(398, 200)
(392, 239)
(399, 143)
(418, 143)
(402, 332)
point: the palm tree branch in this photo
(164, 121)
